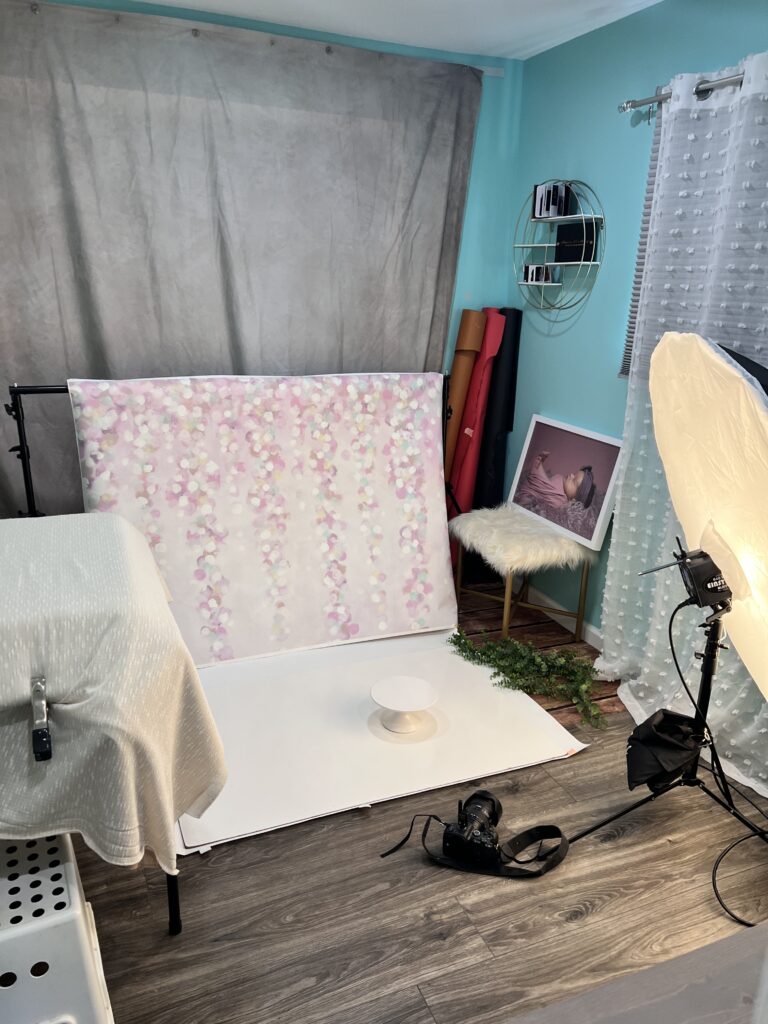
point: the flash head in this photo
(702, 579)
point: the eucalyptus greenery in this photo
(517, 666)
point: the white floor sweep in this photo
(304, 738)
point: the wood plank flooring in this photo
(309, 926)
(718, 984)
(480, 618)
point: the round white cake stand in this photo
(402, 699)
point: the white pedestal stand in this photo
(402, 699)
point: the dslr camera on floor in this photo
(472, 843)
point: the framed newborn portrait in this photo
(567, 476)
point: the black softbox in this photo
(660, 749)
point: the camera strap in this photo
(430, 818)
(511, 864)
(546, 859)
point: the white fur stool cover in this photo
(511, 541)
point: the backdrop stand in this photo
(15, 410)
(174, 904)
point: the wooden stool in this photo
(516, 544)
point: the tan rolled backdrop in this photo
(468, 342)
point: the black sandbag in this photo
(661, 748)
(499, 416)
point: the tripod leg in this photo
(620, 814)
(174, 905)
(758, 831)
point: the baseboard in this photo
(592, 634)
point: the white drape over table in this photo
(134, 742)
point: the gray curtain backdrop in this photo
(180, 198)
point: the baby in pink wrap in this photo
(556, 490)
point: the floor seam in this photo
(426, 1004)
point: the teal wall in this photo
(555, 116)
(570, 128)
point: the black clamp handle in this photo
(41, 733)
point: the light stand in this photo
(707, 589)
(710, 422)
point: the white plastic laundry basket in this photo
(50, 966)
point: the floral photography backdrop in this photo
(284, 512)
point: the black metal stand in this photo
(174, 905)
(15, 409)
(690, 777)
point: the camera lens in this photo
(481, 812)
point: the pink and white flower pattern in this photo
(284, 512)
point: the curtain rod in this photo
(701, 91)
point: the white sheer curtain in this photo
(706, 271)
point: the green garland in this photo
(519, 666)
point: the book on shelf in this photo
(539, 273)
(552, 199)
(575, 243)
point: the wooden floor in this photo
(480, 618)
(309, 926)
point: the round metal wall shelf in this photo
(565, 284)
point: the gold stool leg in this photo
(507, 606)
(579, 631)
(459, 566)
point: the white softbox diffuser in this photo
(710, 418)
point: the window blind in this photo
(641, 248)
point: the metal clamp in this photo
(41, 733)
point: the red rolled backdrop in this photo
(465, 461)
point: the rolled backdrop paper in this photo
(283, 512)
(499, 416)
(468, 343)
(710, 418)
(464, 470)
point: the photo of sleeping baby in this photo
(565, 475)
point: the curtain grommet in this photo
(701, 90)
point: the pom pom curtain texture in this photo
(180, 199)
(706, 267)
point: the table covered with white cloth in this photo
(134, 744)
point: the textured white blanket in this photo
(134, 743)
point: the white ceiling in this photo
(496, 28)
